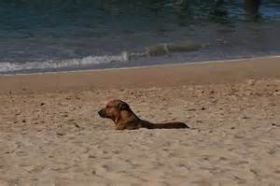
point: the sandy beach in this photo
(50, 133)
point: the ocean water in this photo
(61, 35)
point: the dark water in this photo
(54, 35)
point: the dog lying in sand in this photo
(124, 118)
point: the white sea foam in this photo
(9, 67)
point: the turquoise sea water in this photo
(55, 35)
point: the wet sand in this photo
(50, 133)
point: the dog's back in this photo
(169, 125)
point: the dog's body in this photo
(124, 118)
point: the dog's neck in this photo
(128, 115)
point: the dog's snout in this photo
(101, 113)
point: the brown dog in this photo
(124, 118)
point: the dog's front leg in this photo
(120, 127)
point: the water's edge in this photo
(149, 66)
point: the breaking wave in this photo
(78, 63)
(11, 67)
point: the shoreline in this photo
(147, 76)
(246, 59)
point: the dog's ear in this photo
(123, 106)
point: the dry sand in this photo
(50, 133)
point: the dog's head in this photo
(113, 109)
